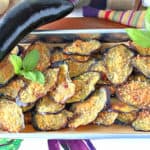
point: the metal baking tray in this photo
(89, 131)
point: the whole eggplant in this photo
(26, 16)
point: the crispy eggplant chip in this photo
(142, 122)
(106, 118)
(84, 86)
(98, 66)
(120, 106)
(43, 50)
(87, 111)
(48, 106)
(142, 64)
(58, 55)
(127, 118)
(79, 58)
(50, 122)
(6, 74)
(140, 50)
(27, 107)
(84, 48)
(118, 64)
(78, 68)
(11, 90)
(11, 116)
(65, 88)
(135, 93)
(138, 77)
(35, 91)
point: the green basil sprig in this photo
(141, 37)
(26, 67)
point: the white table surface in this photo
(104, 144)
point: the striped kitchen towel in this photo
(115, 11)
(116, 4)
(130, 17)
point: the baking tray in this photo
(84, 132)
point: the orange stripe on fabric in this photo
(111, 15)
(141, 19)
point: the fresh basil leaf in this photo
(141, 37)
(35, 76)
(31, 60)
(16, 62)
(28, 75)
(40, 78)
(147, 19)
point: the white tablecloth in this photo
(103, 144)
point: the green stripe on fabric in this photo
(116, 16)
(136, 18)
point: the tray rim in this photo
(59, 136)
(78, 31)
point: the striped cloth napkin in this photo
(115, 11)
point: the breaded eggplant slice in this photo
(48, 105)
(78, 68)
(42, 48)
(27, 108)
(106, 118)
(11, 116)
(84, 86)
(140, 50)
(119, 106)
(79, 58)
(135, 93)
(35, 91)
(142, 64)
(84, 48)
(138, 77)
(142, 123)
(99, 66)
(50, 122)
(87, 111)
(118, 64)
(127, 118)
(58, 55)
(12, 89)
(65, 88)
(7, 74)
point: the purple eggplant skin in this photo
(26, 16)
